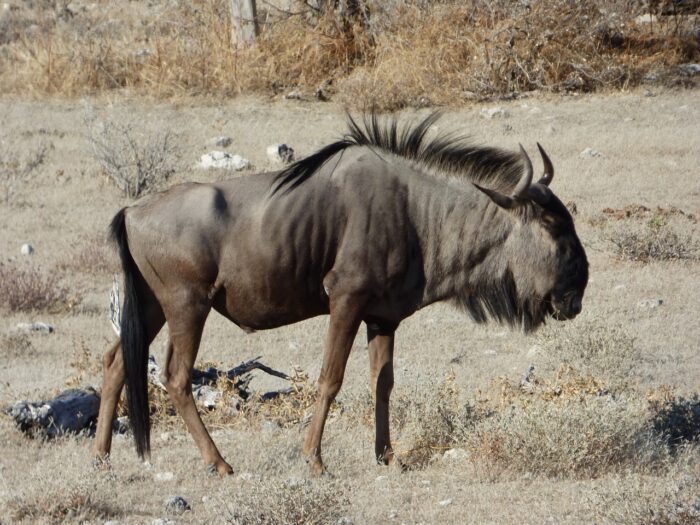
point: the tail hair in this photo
(134, 339)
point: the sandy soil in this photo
(649, 155)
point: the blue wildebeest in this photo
(370, 228)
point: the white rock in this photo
(590, 152)
(43, 328)
(223, 160)
(393, 513)
(26, 249)
(280, 154)
(650, 303)
(689, 69)
(344, 520)
(494, 112)
(164, 476)
(445, 502)
(380, 479)
(207, 396)
(162, 521)
(455, 454)
(646, 18)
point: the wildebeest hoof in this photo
(221, 468)
(101, 462)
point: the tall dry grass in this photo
(410, 52)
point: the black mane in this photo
(449, 152)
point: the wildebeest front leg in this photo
(185, 336)
(381, 355)
(346, 315)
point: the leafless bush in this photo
(91, 255)
(289, 503)
(654, 242)
(582, 437)
(15, 170)
(672, 500)
(24, 288)
(136, 161)
(71, 505)
(606, 352)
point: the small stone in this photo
(26, 249)
(121, 425)
(162, 521)
(223, 160)
(221, 142)
(393, 513)
(207, 396)
(344, 520)
(650, 303)
(489, 352)
(689, 69)
(648, 93)
(445, 502)
(590, 152)
(646, 18)
(164, 476)
(293, 95)
(112, 522)
(165, 436)
(270, 426)
(43, 328)
(380, 479)
(280, 154)
(176, 505)
(497, 112)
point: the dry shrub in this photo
(16, 344)
(294, 502)
(591, 348)
(409, 52)
(577, 438)
(92, 255)
(647, 500)
(25, 288)
(68, 505)
(137, 162)
(16, 170)
(656, 241)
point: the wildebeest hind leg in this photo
(113, 378)
(185, 335)
(381, 355)
(346, 315)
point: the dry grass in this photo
(293, 502)
(90, 255)
(410, 52)
(58, 505)
(24, 288)
(655, 241)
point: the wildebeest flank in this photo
(368, 229)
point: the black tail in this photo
(134, 340)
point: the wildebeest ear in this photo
(503, 201)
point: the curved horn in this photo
(521, 189)
(548, 174)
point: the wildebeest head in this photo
(547, 262)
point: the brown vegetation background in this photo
(407, 53)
